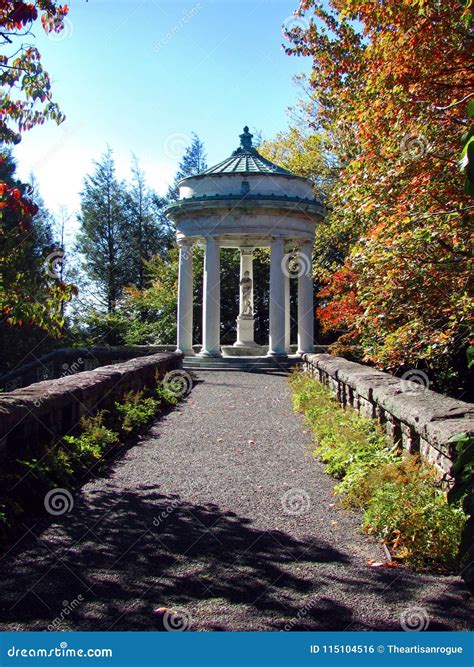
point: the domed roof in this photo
(246, 160)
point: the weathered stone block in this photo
(47, 410)
(413, 416)
(410, 438)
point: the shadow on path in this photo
(120, 556)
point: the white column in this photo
(287, 313)
(305, 299)
(277, 300)
(185, 299)
(211, 312)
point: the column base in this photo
(214, 355)
(277, 355)
(187, 353)
(310, 351)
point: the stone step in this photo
(249, 364)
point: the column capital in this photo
(214, 239)
(186, 242)
(246, 250)
(277, 239)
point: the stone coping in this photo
(418, 419)
(47, 410)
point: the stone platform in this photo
(249, 364)
(244, 350)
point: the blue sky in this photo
(142, 75)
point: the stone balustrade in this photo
(416, 418)
(42, 412)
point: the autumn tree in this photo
(31, 292)
(395, 77)
(31, 289)
(25, 93)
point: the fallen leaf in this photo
(391, 563)
(161, 610)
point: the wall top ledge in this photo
(407, 401)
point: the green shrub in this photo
(417, 523)
(165, 396)
(53, 469)
(401, 498)
(74, 455)
(136, 411)
(90, 446)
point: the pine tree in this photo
(192, 162)
(43, 221)
(102, 240)
(148, 230)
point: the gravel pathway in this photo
(220, 511)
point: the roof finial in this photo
(246, 139)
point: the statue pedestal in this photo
(245, 331)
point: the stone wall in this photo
(416, 418)
(47, 410)
(69, 360)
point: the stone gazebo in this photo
(246, 202)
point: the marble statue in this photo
(246, 287)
